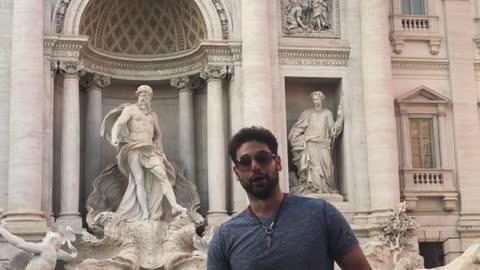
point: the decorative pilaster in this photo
(379, 106)
(93, 141)
(70, 152)
(24, 211)
(186, 144)
(443, 142)
(256, 64)
(217, 173)
(407, 156)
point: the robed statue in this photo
(312, 139)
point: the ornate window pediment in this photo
(425, 169)
(423, 95)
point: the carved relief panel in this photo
(311, 18)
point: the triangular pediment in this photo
(423, 94)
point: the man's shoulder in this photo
(318, 206)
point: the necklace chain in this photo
(269, 229)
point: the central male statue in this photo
(141, 158)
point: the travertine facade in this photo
(409, 72)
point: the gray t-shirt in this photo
(309, 234)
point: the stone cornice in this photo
(66, 48)
(314, 57)
(420, 64)
(162, 67)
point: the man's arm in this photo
(157, 133)
(64, 256)
(216, 253)
(119, 125)
(354, 260)
(19, 242)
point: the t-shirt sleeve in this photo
(217, 259)
(341, 238)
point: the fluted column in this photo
(93, 141)
(186, 145)
(378, 101)
(217, 173)
(256, 64)
(70, 152)
(26, 118)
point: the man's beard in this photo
(265, 186)
(145, 106)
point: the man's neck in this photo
(317, 107)
(267, 207)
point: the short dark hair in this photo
(253, 133)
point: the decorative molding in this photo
(313, 57)
(297, 18)
(216, 53)
(222, 17)
(180, 83)
(412, 64)
(60, 14)
(72, 68)
(64, 47)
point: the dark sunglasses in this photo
(263, 158)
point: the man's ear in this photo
(278, 163)
(236, 173)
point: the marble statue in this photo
(43, 255)
(142, 211)
(137, 136)
(312, 139)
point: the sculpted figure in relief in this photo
(137, 137)
(45, 253)
(312, 139)
(320, 17)
(307, 16)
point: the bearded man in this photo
(141, 158)
(279, 231)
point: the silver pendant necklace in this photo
(269, 229)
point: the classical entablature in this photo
(148, 39)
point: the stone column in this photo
(186, 144)
(217, 173)
(443, 142)
(378, 101)
(51, 69)
(256, 64)
(26, 119)
(93, 140)
(405, 130)
(70, 152)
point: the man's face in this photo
(317, 101)
(144, 98)
(260, 178)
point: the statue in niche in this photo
(312, 139)
(43, 255)
(307, 16)
(136, 135)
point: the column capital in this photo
(95, 82)
(211, 72)
(72, 68)
(181, 83)
(54, 67)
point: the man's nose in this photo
(256, 166)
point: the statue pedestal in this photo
(332, 197)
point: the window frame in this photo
(411, 7)
(435, 138)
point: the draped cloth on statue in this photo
(115, 188)
(311, 140)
